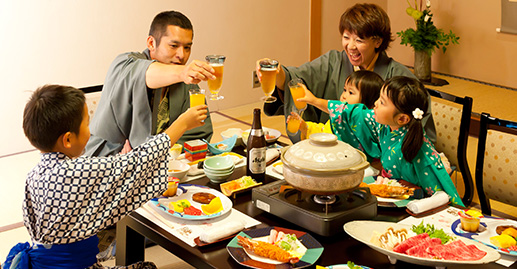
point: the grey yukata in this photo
(127, 108)
(325, 77)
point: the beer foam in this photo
(216, 64)
(268, 68)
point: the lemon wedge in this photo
(213, 207)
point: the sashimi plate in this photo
(313, 249)
(161, 204)
(362, 231)
(484, 236)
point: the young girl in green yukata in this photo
(392, 132)
(362, 86)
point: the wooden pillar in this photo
(315, 29)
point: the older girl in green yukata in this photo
(394, 128)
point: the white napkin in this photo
(224, 230)
(439, 198)
(272, 154)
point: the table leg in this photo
(130, 244)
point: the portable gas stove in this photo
(324, 215)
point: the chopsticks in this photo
(157, 215)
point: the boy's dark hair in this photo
(166, 18)
(52, 111)
(369, 85)
(367, 20)
(408, 94)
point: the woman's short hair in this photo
(52, 111)
(367, 20)
(166, 18)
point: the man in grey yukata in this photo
(145, 92)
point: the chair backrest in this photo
(495, 165)
(93, 96)
(451, 116)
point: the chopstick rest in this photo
(221, 231)
(438, 199)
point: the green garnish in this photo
(431, 231)
(352, 265)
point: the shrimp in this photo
(266, 250)
(387, 191)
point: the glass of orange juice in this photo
(217, 63)
(297, 91)
(293, 125)
(268, 68)
(197, 97)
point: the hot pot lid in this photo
(323, 152)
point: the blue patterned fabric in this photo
(81, 254)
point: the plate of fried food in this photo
(390, 192)
(195, 202)
(274, 247)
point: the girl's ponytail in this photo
(409, 97)
(413, 140)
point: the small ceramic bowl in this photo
(271, 135)
(175, 151)
(218, 177)
(219, 163)
(231, 132)
(178, 169)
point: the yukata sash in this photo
(81, 254)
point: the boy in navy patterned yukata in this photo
(394, 128)
(68, 199)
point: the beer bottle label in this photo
(257, 160)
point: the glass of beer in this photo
(297, 91)
(197, 97)
(268, 68)
(217, 63)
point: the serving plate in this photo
(314, 249)
(400, 201)
(483, 235)
(274, 135)
(341, 266)
(188, 190)
(362, 231)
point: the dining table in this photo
(338, 249)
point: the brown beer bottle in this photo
(256, 150)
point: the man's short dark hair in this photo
(166, 18)
(52, 111)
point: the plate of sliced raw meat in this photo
(421, 249)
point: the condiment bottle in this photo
(256, 150)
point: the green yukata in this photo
(426, 170)
(325, 77)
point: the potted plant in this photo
(425, 39)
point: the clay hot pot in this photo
(323, 165)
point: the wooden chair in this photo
(451, 116)
(495, 165)
(93, 96)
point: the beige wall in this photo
(483, 54)
(73, 43)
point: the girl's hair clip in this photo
(418, 113)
